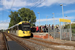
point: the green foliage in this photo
(23, 14)
(27, 15)
(68, 26)
(1, 30)
(73, 31)
(14, 18)
(72, 26)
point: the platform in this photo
(14, 46)
(42, 35)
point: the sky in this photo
(46, 8)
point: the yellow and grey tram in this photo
(22, 29)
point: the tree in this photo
(27, 15)
(14, 18)
(23, 14)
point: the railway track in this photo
(19, 42)
(53, 45)
(3, 42)
(34, 44)
(50, 42)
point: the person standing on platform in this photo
(52, 27)
(40, 29)
(45, 28)
(37, 29)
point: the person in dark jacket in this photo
(45, 28)
(52, 27)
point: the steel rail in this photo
(19, 42)
(5, 40)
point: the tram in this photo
(22, 29)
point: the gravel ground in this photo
(58, 41)
(39, 47)
(2, 43)
(8, 39)
(58, 46)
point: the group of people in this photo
(45, 28)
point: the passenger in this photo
(52, 27)
(37, 29)
(40, 29)
(57, 29)
(45, 28)
(33, 28)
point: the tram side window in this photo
(20, 28)
(16, 28)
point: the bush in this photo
(73, 30)
(68, 26)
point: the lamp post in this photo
(54, 24)
(60, 23)
(39, 17)
(62, 10)
(66, 16)
(66, 22)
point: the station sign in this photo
(64, 20)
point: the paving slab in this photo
(14, 46)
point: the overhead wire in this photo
(12, 4)
(10, 9)
(33, 7)
(38, 4)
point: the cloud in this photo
(5, 21)
(66, 12)
(4, 25)
(1, 9)
(51, 2)
(8, 4)
(69, 11)
(14, 8)
(56, 19)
